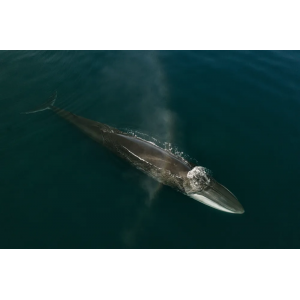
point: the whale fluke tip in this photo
(46, 105)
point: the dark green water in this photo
(236, 113)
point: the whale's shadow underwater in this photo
(162, 165)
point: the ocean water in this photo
(236, 113)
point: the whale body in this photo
(160, 164)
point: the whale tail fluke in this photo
(47, 105)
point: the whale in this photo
(161, 164)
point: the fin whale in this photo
(162, 165)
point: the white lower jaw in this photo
(209, 202)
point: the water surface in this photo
(234, 112)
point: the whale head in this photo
(204, 188)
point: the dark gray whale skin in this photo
(156, 162)
(149, 158)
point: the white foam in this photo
(198, 178)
